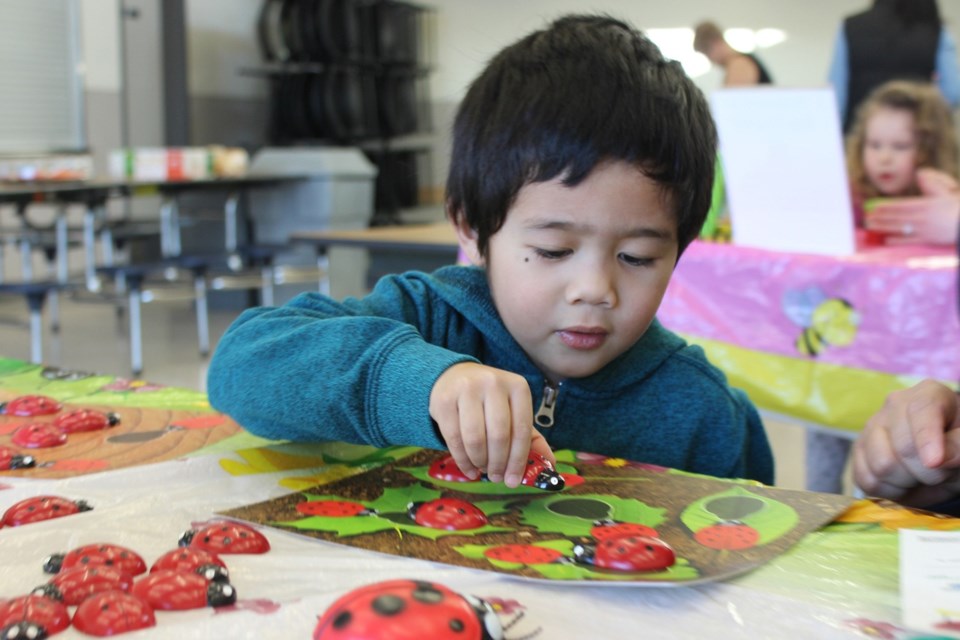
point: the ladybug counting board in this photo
(56, 423)
(612, 522)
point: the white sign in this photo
(783, 162)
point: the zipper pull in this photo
(544, 416)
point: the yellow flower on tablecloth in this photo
(893, 516)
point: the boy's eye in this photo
(552, 254)
(634, 261)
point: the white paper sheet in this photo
(930, 581)
(786, 179)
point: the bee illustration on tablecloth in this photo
(825, 321)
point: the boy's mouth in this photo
(584, 338)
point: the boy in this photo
(582, 167)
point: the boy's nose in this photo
(592, 286)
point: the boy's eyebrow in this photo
(657, 233)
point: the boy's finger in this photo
(498, 433)
(473, 431)
(519, 454)
(451, 436)
(521, 413)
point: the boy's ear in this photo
(467, 238)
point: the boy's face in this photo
(890, 151)
(578, 273)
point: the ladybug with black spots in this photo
(540, 473)
(83, 420)
(179, 590)
(226, 537)
(28, 406)
(193, 560)
(450, 514)
(10, 460)
(73, 586)
(39, 508)
(408, 610)
(38, 435)
(627, 553)
(32, 616)
(113, 612)
(95, 555)
(446, 469)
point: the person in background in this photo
(902, 164)
(740, 69)
(576, 206)
(910, 450)
(892, 40)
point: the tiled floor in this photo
(94, 338)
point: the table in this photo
(94, 193)
(817, 339)
(839, 582)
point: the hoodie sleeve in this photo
(360, 370)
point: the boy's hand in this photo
(485, 416)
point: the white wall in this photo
(469, 32)
(222, 40)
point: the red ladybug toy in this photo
(177, 590)
(541, 474)
(40, 508)
(10, 460)
(113, 612)
(73, 586)
(226, 537)
(450, 514)
(627, 553)
(447, 470)
(95, 555)
(38, 435)
(193, 560)
(30, 406)
(408, 610)
(32, 616)
(82, 420)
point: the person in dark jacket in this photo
(740, 69)
(892, 40)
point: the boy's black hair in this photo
(587, 89)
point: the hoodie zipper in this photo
(544, 415)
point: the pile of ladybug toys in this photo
(113, 592)
(48, 425)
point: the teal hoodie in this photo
(361, 371)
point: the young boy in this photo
(582, 168)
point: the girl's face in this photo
(890, 151)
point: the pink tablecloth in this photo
(889, 311)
